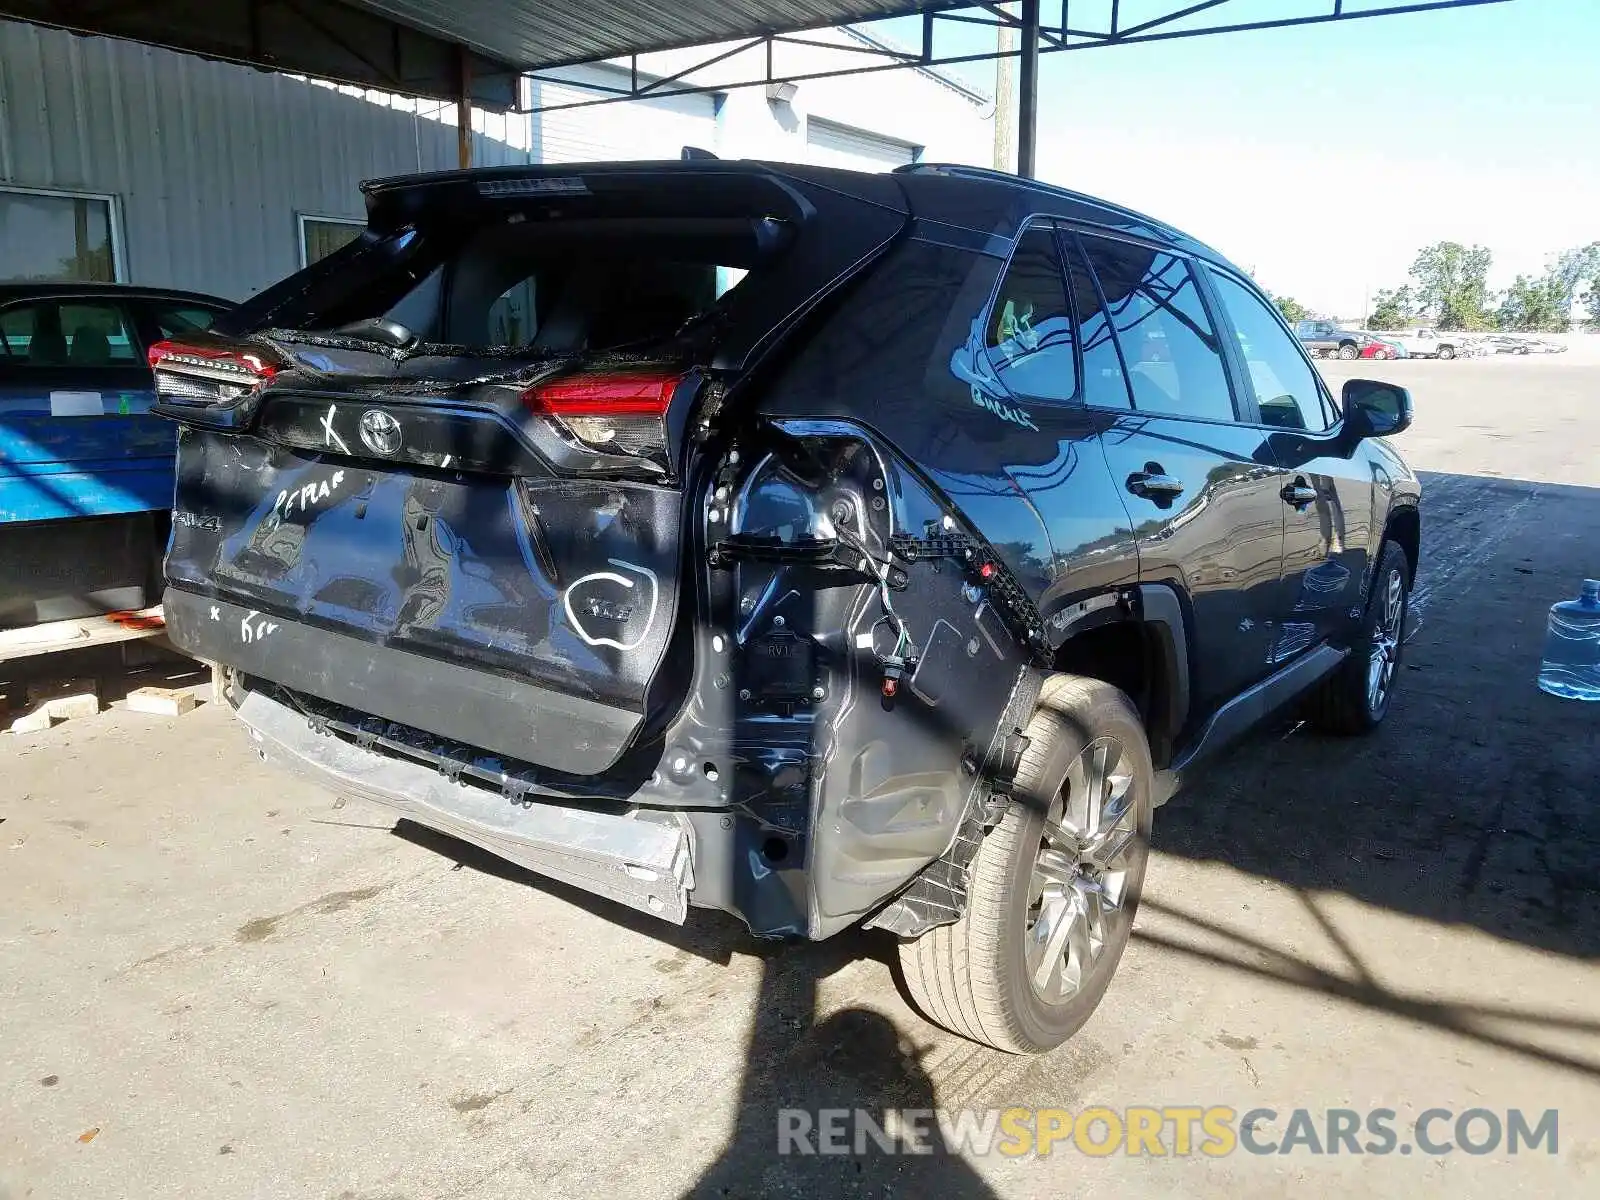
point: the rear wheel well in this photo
(1405, 530)
(1127, 655)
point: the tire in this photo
(1447, 352)
(1521, 350)
(1347, 351)
(974, 977)
(1346, 703)
(1383, 355)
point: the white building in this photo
(123, 161)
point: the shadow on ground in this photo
(1474, 805)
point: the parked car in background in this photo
(791, 599)
(1382, 348)
(1424, 342)
(86, 473)
(1323, 338)
(1522, 343)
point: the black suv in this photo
(822, 547)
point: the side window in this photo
(1104, 384)
(1173, 356)
(512, 320)
(1284, 383)
(67, 333)
(175, 320)
(1029, 339)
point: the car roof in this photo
(923, 182)
(979, 199)
(25, 290)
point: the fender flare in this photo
(1159, 609)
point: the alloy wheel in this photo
(1079, 885)
(1386, 636)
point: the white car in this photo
(1430, 343)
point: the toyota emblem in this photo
(380, 432)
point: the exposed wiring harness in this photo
(903, 657)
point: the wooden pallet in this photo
(81, 632)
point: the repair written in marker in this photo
(305, 497)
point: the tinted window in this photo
(1284, 383)
(67, 333)
(1029, 339)
(173, 320)
(1174, 360)
(1104, 384)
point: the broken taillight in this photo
(189, 374)
(609, 412)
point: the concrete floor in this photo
(217, 982)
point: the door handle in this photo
(1298, 494)
(1154, 484)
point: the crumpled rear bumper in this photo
(640, 858)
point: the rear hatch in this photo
(443, 477)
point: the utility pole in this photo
(1005, 82)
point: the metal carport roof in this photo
(432, 47)
(477, 51)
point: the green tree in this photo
(1452, 283)
(1393, 308)
(1291, 308)
(1573, 271)
(1536, 305)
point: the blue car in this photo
(86, 473)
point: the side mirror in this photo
(1374, 409)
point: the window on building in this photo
(1284, 383)
(1173, 355)
(1029, 340)
(321, 236)
(67, 333)
(57, 237)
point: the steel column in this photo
(464, 108)
(1028, 91)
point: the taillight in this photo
(612, 413)
(189, 374)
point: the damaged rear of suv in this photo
(678, 531)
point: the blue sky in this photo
(1324, 157)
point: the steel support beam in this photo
(1028, 91)
(464, 109)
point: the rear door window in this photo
(1029, 341)
(1173, 355)
(1104, 385)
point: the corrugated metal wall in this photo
(656, 128)
(210, 163)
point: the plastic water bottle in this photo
(1571, 665)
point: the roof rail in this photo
(965, 171)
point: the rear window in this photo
(535, 286)
(550, 289)
(67, 333)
